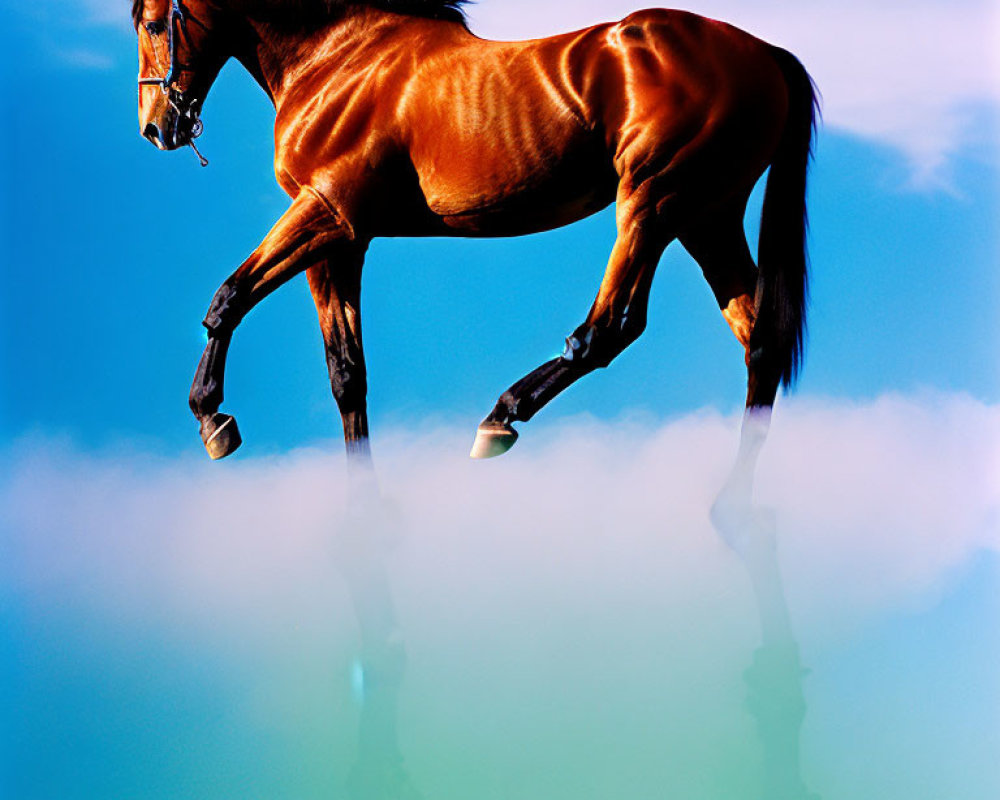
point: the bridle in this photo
(184, 106)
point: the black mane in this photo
(434, 9)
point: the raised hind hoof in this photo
(493, 439)
(220, 435)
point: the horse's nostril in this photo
(151, 132)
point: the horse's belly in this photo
(482, 196)
(523, 214)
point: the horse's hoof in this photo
(220, 435)
(493, 439)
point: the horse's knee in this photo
(205, 398)
(348, 382)
(350, 390)
(225, 311)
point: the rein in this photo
(177, 21)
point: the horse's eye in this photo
(156, 27)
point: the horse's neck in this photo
(278, 53)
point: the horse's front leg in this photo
(336, 288)
(298, 240)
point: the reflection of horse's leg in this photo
(763, 378)
(363, 548)
(367, 535)
(298, 240)
(734, 505)
(616, 319)
(775, 696)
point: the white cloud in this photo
(913, 75)
(878, 505)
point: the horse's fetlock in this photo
(505, 411)
(578, 343)
(205, 398)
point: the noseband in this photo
(177, 21)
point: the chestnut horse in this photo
(393, 119)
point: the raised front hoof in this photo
(220, 435)
(493, 439)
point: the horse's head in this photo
(180, 55)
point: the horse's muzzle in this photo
(171, 131)
(152, 132)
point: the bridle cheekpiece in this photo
(185, 108)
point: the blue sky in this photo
(112, 251)
(165, 620)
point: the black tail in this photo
(782, 285)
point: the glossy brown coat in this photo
(392, 124)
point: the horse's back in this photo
(501, 138)
(554, 116)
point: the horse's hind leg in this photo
(719, 245)
(298, 240)
(616, 319)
